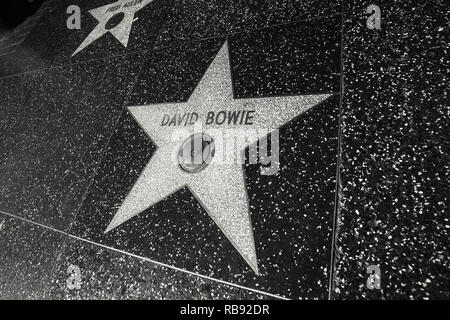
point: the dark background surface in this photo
(14, 12)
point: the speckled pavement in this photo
(363, 172)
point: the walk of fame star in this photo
(116, 18)
(219, 187)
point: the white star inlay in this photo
(123, 12)
(220, 187)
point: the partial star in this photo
(220, 187)
(115, 18)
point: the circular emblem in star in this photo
(196, 152)
(114, 21)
